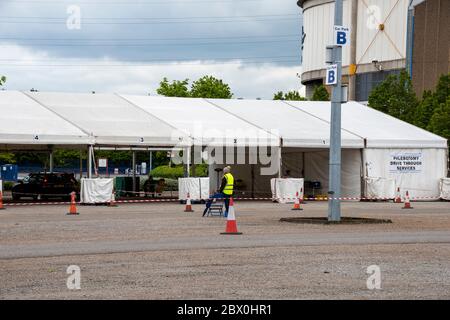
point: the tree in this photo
(440, 121)
(2, 80)
(175, 89)
(210, 87)
(320, 94)
(425, 110)
(291, 95)
(443, 89)
(395, 96)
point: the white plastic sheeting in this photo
(96, 190)
(298, 129)
(285, 190)
(198, 188)
(206, 123)
(316, 169)
(26, 122)
(111, 120)
(420, 176)
(380, 188)
(445, 188)
(379, 129)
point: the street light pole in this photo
(334, 193)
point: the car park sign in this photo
(331, 76)
(341, 35)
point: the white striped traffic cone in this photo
(231, 227)
(188, 204)
(297, 203)
(407, 204)
(398, 197)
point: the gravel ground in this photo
(157, 251)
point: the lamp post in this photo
(334, 193)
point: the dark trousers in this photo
(218, 195)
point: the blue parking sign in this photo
(341, 35)
(331, 75)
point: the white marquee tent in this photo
(379, 152)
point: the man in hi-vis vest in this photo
(226, 187)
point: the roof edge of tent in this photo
(324, 120)
(402, 121)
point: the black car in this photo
(46, 185)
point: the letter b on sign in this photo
(341, 35)
(341, 38)
(331, 77)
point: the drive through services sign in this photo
(331, 76)
(341, 35)
(405, 162)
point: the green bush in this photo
(7, 185)
(168, 172)
(175, 172)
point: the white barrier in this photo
(198, 188)
(444, 188)
(96, 190)
(285, 189)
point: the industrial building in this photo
(430, 43)
(377, 44)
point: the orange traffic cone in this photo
(231, 227)
(1, 201)
(73, 207)
(188, 204)
(296, 203)
(398, 198)
(407, 204)
(112, 202)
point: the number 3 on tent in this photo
(141, 140)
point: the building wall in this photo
(381, 29)
(431, 50)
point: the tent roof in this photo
(206, 123)
(298, 129)
(379, 129)
(41, 119)
(111, 120)
(26, 122)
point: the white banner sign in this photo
(405, 162)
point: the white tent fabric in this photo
(197, 188)
(26, 122)
(417, 171)
(380, 130)
(286, 190)
(380, 188)
(96, 190)
(445, 188)
(298, 129)
(112, 120)
(207, 124)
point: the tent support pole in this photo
(89, 162)
(188, 161)
(51, 161)
(81, 164)
(280, 163)
(134, 170)
(193, 161)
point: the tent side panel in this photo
(316, 169)
(417, 171)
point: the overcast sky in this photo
(253, 45)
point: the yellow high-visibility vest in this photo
(228, 190)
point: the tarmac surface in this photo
(157, 251)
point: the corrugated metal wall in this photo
(372, 44)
